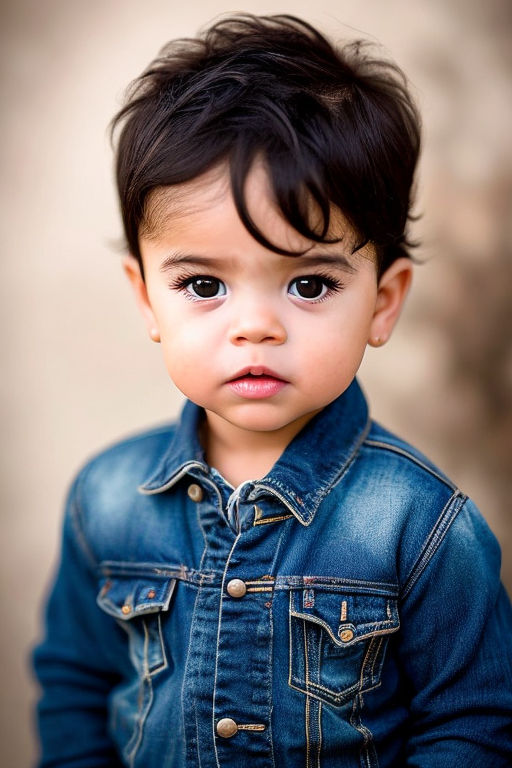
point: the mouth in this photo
(256, 382)
(257, 372)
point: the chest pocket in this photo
(338, 641)
(137, 602)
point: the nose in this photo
(255, 322)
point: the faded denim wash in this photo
(345, 611)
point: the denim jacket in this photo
(345, 610)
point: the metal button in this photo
(195, 492)
(226, 728)
(126, 609)
(346, 635)
(151, 594)
(236, 588)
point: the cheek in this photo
(336, 333)
(186, 348)
(335, 347)
(186, 369)
(181, 329)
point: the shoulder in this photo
(396, 454)
(401, 477)
(104, 500)
(126, 463)
(411, 507)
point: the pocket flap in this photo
(347, 617)
(127, 596)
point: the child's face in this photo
(261, 341)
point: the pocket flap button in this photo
(126, 609)
(226, 728)
(195, 492)
(346, 635)
(236, 588)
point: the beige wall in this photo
(78, 371)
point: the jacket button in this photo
(226, 728)
(195, 492)
(126, 609)
(346, 635)
(236, 588)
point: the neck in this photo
(240, 454)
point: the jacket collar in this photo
(304, 474)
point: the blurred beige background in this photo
(78, 371)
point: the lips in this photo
(256, 382)
(259, 371)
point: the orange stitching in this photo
(264, 520)
(377, 651)
(316, 620)
(319, 733)
(308, 745)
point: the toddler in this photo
(276, 580)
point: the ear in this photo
(132, 270)
(391, 292)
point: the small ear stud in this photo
(377, 341)
(154, 335)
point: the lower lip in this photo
(255, 388)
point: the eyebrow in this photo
(178, 259)
(327, 259)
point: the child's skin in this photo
(254, 315)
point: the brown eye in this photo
(206, 287)
(309, 288)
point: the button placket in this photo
(199, 670)
(244, 693)
(238, 616)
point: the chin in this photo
(263, 419)
(258, 424)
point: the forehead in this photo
(204, 207)
(168, 206)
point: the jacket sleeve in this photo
(456, 648)
(73, 663)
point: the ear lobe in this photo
(391, 293)
(133, 271)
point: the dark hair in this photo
(333, 124)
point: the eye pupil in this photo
(206, 287)
(309, 287)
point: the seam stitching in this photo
(406, 454)
(434, 539)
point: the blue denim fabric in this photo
(368, 626)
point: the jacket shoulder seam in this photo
(76, 517)
(434, 539)
(76, 507)
(381, 444)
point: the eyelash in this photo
(333, 285)
(181, 282)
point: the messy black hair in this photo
(333, 125)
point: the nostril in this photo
(257, 331)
